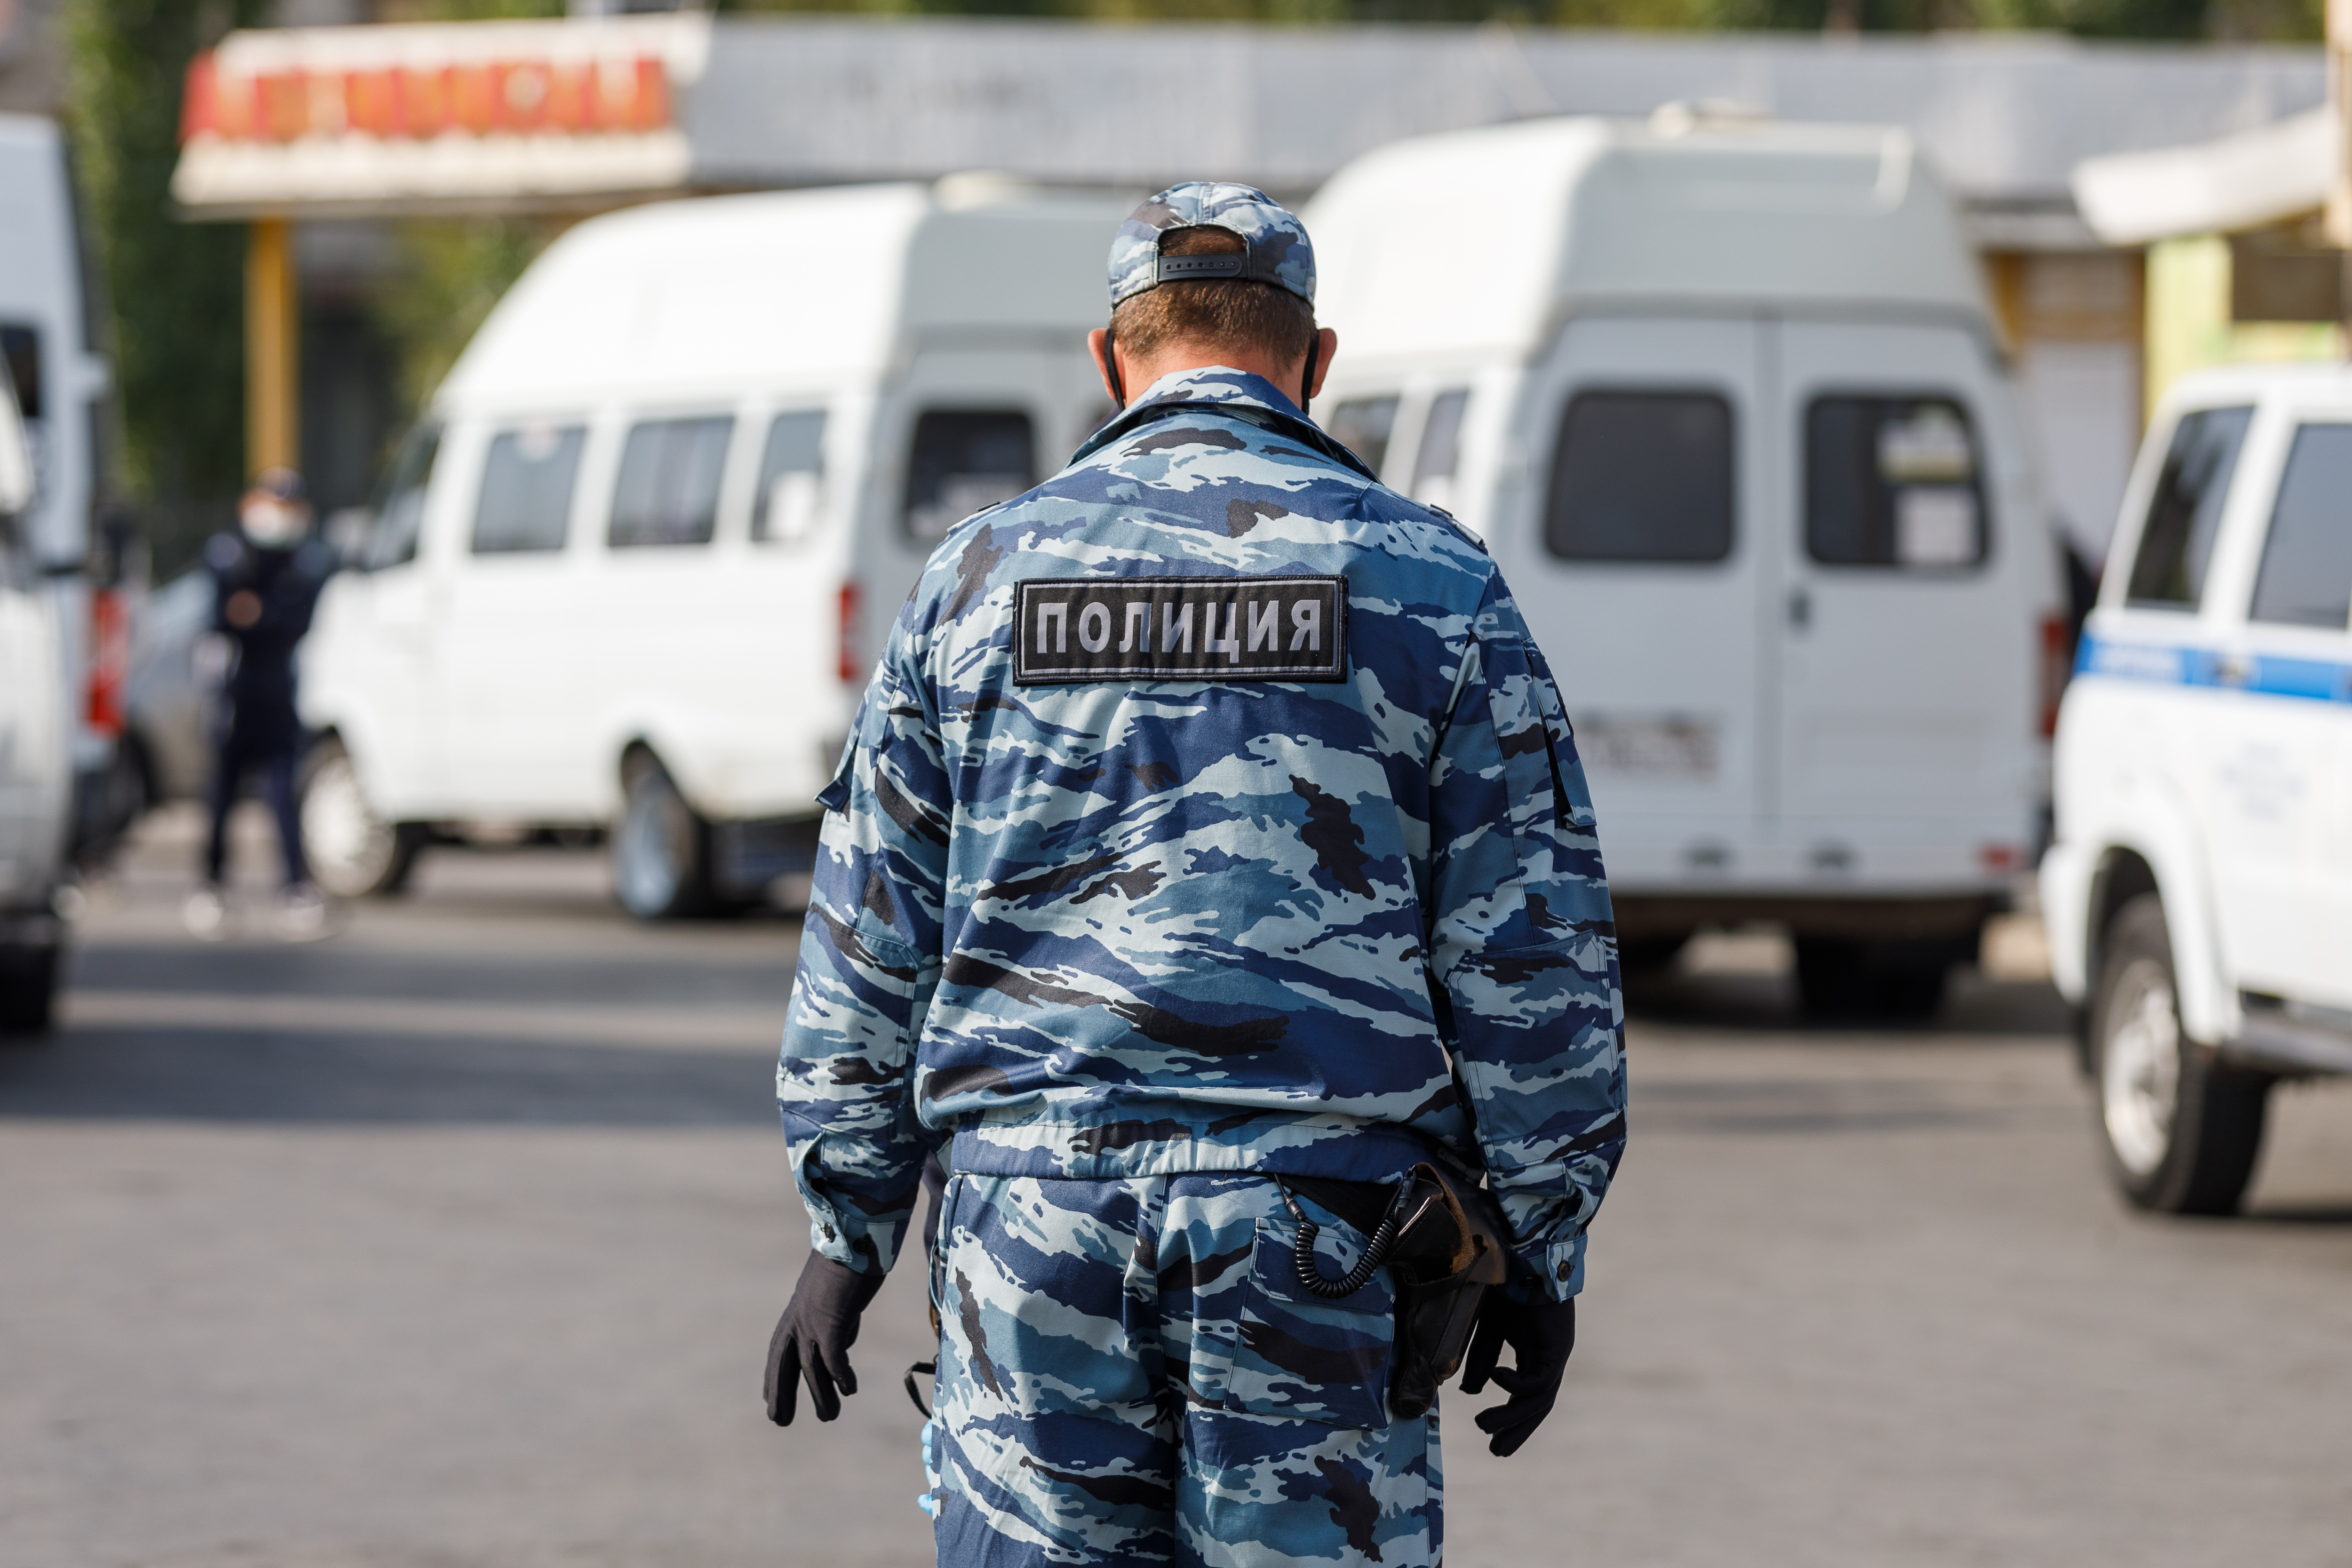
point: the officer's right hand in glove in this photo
(1540, 1333)
(813, 1339)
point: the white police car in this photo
(2199, 893)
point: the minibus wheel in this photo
(661, 848)
(1895, 980)
(1648, 954)
(354, 852)
(2180, 1127)
(28, 987)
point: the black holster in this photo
(1451, 1247)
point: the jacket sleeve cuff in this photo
(827, 1238)
(1555, 1272)
(850, 1239)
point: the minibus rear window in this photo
(1362, 425)
(668, 492)
(963, 460)
(1642, 476)
(2306, 577)
(526, 500)
(2177, 544)
(1441, 449)
(400, 510)
(1891, 481)
(791, 479)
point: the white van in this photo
(1723, 401)
(2199, 891)
(47, 339)
(636, 565)
(36, 768)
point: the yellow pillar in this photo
(2187, 304)
(2339, 215)
(272, 373)
(2005, 272)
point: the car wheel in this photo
(2181, 1128)
(29, 988)
(661, 849)
(354, 852)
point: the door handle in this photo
(2233, 670)
(1801, 609)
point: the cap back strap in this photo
(1183, 269)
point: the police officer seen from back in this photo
(1211, 879)
(265, 580)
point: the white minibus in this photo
(634, 565)
(36, 767)
(47, 339)
(1724, 400)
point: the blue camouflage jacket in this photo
(1308, 889)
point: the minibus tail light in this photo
(2057, 661)
(848, 667)
(110, 661)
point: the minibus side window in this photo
(1891, 481)
(527, 478)
(20, 347)
(1441, 449)
(2168, 573)
(1362, 425)
(2306, 575)
(1642, 476)
(962, 460)
(668, 492)
(785, 507)
(400, 510)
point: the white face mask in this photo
(272, 524)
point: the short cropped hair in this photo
(1215, 312)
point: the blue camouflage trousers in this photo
(1130, 1372)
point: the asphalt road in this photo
(456, 1241)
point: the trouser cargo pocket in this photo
(1299, 1355)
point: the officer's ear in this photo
(1101, 348)
(1327, 345)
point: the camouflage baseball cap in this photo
(1276, 248)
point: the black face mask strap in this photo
(1111, 369)
(1306, 382)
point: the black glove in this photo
(814, 1336)
(1540, 1335)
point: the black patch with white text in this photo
(1069, 629)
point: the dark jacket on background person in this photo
(257, 701)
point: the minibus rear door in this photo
(1638, 567)
(1909, 633)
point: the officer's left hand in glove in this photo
(814, 1336)
(1540, 1335)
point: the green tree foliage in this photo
(174, 290)
(452, 271)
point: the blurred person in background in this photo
(1210, 876)
(265, 580)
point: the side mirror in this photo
(15, 455)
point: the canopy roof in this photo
(2243, 181)
(417, 117)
